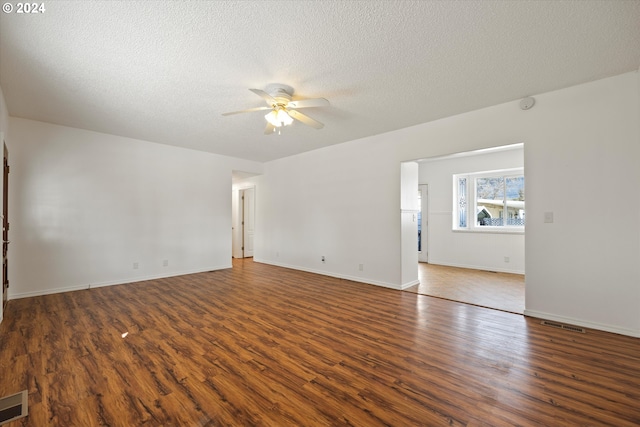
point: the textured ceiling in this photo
(165, 71)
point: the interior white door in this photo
(248, 221)
(423, 224)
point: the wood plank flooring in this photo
(500, 291)
(268, 346)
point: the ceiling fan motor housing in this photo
(282, 98)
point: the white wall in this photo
(479, 250)
(582, 146)
(342, 202)
(4, 127)
(585, 266)
(4, 115)
(86, 206)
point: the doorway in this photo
(247, 204)
(480, 264)
(243, 214)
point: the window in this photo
(489, 201)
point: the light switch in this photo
(548, 217)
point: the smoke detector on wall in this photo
(527, 103)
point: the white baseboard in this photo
(330, 274)
(114, 282)
(410, 284)
(583, 323)
(48, 291)
(476, 267)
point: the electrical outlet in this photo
(548, 217)
(360, 267)
(506, 259)
(323, 258)
(165, 263)
(135, 265)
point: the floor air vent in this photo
(566, 327)
(13, 407)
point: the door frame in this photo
(247, 217)
(423, 254)
(5, 228)
(238, 209)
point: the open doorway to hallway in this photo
(471, 230)
(246, 222)
(243, 209)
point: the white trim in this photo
(496, 173)
(244, 187)
(583, 323)
(477, 267)
(115, 282)
(409, 284)
(338, 276)
(49, 291)
(425, 206)
(510, 203)
(487, 229)
(515, 146)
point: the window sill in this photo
(490, 230)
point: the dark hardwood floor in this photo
(263, 345)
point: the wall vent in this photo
(13, 407)
(566, 327)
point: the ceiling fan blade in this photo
(270, 100)
(270, 129)
(305, 119)
(249, 110)
(309, 102)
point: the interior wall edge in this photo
(410, 284)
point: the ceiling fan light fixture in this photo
(272, 118)
(284, 118)
(282, 110)
(279, 117)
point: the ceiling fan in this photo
(283, 109)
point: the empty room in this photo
(210, 212)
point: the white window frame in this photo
(465, 204)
